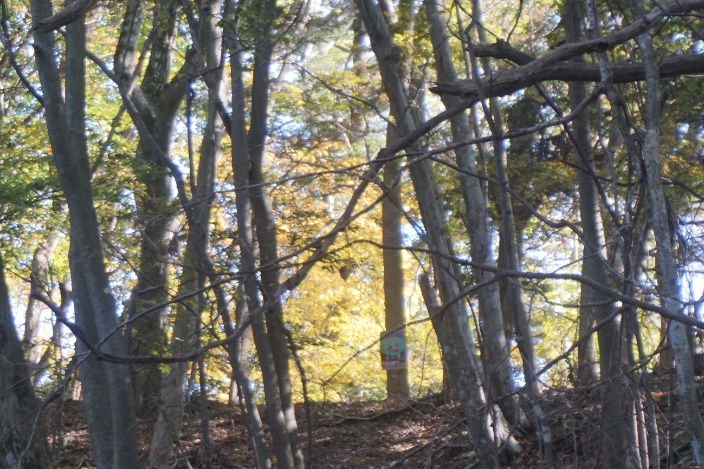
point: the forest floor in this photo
(423, 433)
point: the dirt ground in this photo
(423, 433)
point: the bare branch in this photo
(7, 45)
(687, 64)
(71, 13)
(553, 66)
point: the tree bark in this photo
(590, 213)
(594, 304)
(394, 303)
(147, 336)
(23, 443)
(265, 222)
(668, 281)
(39, 280)
(254, 213)
(508, 233)
(106, 386)
(494, 347)
(468, 391)
(391, 217)
(458, 346)
(274, 409)
(168, 426)
(237, 358)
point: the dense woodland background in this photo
(233, 200)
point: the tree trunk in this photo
(494, 347)
(242, 347)
(458, 344)
(265, 228)
(668, 281)
(589, 209)
(596, 305)
(168, 426)
(463, 379)
(397, 384)
(238, 357)
(264, 220)
(394, 304)
(167, 429)
(23, 442)
(39, 280)
(254, 212)
(514, 289)
(106, 386)
(40, 361)
(147, 336)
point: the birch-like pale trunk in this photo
(39, 281)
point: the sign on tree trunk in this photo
(393, 350)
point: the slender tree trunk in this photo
(237, 359)
(391, 217)
(514, 289)
(359, 62)
(458, 345)
(589, 208)
(167, 429)
(23, 434)
(40, 361)
(265, 228)
(668, 281)
(494, 347)
(264, 220)
(394, 304)
(463, 378)
(168, 426)
(653, 431)
(147, 335)
(54, 352)
(242, 347)
(106, 386)
(432, 304)
(39, 280)
(400, 18)
(254, 212)
(266, 237)
(595, 306)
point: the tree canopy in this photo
(268, 202)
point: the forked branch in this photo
(555, 66)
